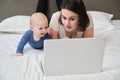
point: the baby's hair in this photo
(38, 15)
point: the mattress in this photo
(29, 66)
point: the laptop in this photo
(73, 56)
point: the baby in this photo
(36, 35)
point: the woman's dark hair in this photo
(77, 6)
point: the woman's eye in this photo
(46, 27)
(71, 19)
(40, 28)
(63, 17)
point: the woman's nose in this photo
(67, 22)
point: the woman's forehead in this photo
(65, 12)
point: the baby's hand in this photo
(19, 54)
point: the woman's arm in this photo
(89, 33)
(54, 34)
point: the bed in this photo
(28, 67)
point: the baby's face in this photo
(40, 28)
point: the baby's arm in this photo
(22, 43)
(20, 47)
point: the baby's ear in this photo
(31, 27)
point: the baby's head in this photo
(39, 24)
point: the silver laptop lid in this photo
(73, 56)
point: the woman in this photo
(72, 21)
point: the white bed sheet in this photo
(28, 67)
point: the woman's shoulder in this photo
(57, 14)
(89, 15)
(55, 18)
(91, 20)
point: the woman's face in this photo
(69, 20)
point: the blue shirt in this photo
(28, 37)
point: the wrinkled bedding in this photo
(28, 67)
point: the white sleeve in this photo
(54, 22)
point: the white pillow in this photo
(17, 24)
(102, 22)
